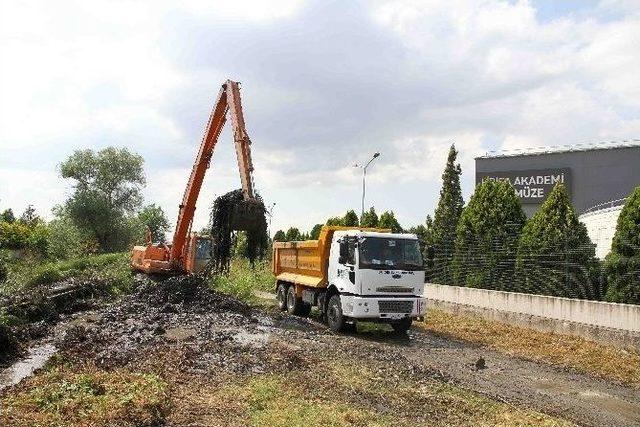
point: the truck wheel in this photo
(281, 296)
(402, 326)
(335, 319)
(294, 304)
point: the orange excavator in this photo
(189, 252)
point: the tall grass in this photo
(244, 278)
(113, 268)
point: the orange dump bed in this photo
(305, 262)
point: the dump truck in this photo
(352, 274)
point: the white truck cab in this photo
(378, 276)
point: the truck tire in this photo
(335, 319)
(281, 296)
(295, 305)
(402, 326)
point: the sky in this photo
(325, 84)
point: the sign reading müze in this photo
(532, 186)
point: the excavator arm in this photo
(228, 100)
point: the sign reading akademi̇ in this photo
(532, 186)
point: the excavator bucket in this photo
(246, 215)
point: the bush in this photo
(555, 255)
(14, 235)
(623, 263)
(3, 270)
(487, 237)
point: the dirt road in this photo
(198, 339)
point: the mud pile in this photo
(230, 212)
(177, 313)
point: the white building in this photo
(601, 223)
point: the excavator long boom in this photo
(228, 101)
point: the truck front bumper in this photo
(383, 307)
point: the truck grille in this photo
(394, 289)
(391, 306)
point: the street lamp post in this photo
(270, 217)
(364, 177)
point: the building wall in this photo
(601, 226)
(597, 175)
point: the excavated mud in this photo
(176, 313)
(232, 212)
(36, 311)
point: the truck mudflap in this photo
(383, 308)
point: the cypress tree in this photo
(623, 262)
(369, 218)
(388, 220)
(555, 255)
(315, 232)
(487, 237)
(279, 236)
(350, 219)
(293, 234)
(446, 219)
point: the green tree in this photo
(107, 194)
(555, 255)
(388, 220)
(420, 231)
(279, 236)
(446, 219)
(428, 251)
(65, 239)
(487, 237)
(152, 217)
(350, 219)
(336, 220)
(29, 217)
(315, 232)
(7, 216)
(293, 234)
(623, 262)
(369, 218)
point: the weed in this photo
(89, 397)
(244, 278)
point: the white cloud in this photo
(324, 86)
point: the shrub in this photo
(623, 263)
(487, 237)
(555, 255)
(14, 235)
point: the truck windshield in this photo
(384, 253)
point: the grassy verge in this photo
(113, 268)
(63, 397)
(613, 363)
(344, 393)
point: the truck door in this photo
(346, 265)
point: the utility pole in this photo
(364, 177)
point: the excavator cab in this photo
(199, 252)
